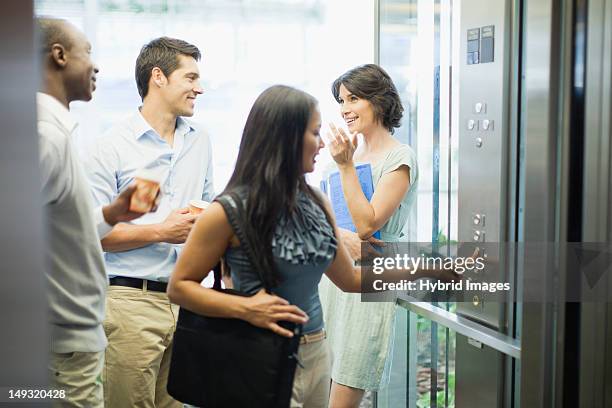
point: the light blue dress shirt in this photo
(185, 170)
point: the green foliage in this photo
(424, 327)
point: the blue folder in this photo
(332, 187)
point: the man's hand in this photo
(176, 226)
(119, 210)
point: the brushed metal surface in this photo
(538, 193)
(24, 341)
(483, 145)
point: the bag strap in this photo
(234, 208)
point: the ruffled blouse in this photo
(305, 236)
(303, 245)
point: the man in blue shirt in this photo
(140, 256)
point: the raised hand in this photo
(341, 146)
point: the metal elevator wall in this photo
(23, 320)
(485, 69)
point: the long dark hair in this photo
(269, 168)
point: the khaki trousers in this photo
(312, 383)
(79, 374)
(139, 326)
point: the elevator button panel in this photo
(484, 95)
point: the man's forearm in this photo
(124, 237)
(103, 225)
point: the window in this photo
(247, 45)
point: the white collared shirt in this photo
(76, 279)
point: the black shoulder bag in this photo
(222, 362)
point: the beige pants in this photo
(139, 326)
(79, 374)
(311, 383)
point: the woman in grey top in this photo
(291, 224)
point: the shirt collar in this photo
(55, 108)
(183, 126)
(141, 127)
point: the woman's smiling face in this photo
(358, 113)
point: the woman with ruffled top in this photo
(293, 228)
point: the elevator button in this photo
(479, 219)
(476, 300)
(479, 236)
(472, 124)
(478, 142)
(476, 270)
(487, 124)
(480, 107)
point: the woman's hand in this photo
(353, 244)
(341, 146)
(266, 310)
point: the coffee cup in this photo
(197, 206)
(143, 199)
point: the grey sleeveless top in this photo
(303, 246)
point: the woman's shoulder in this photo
(400, 150)
(234, 195)
(400, 154)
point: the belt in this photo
(154, 286)
(313, 337)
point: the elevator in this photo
(508, 107)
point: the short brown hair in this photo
(372, 83)
(163, 53)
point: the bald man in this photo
(75, 274)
